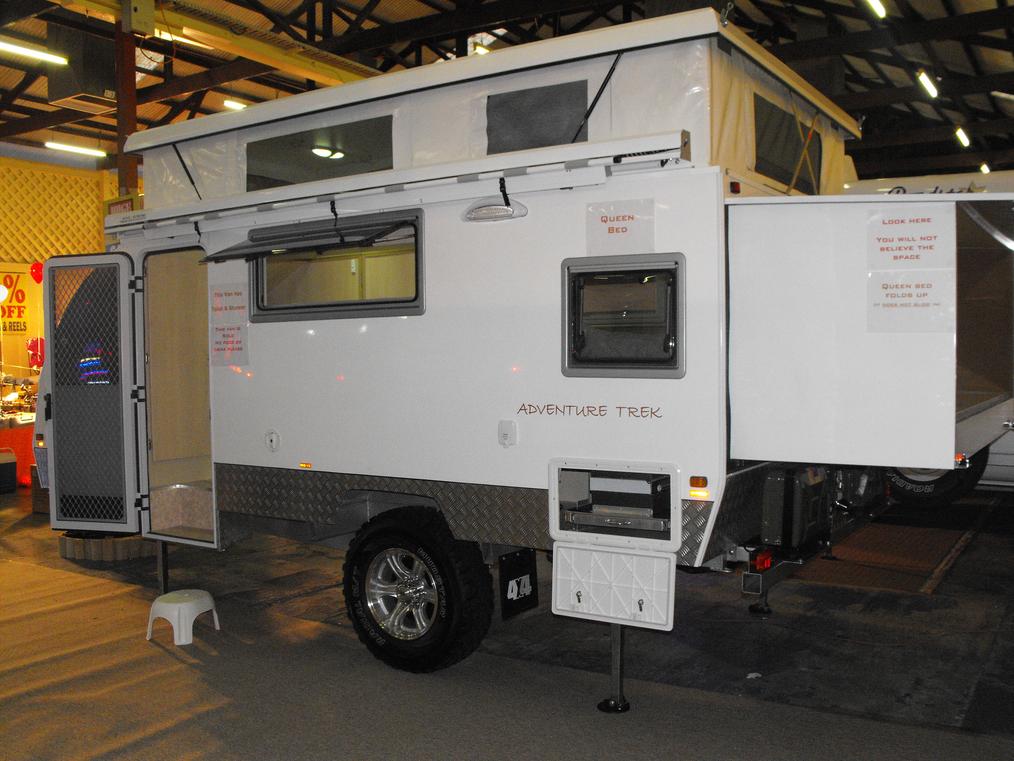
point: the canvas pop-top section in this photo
(653, 79)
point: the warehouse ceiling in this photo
(206, 52)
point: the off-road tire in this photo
(951, 485)
(462, 581)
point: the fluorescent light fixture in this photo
(164, 34)
(76, 149)
(1001, 94)
(962, 137)
(337, 155)
(28, 52)
(927, 83)
(878, 8)
(235, 105)
(984, 168)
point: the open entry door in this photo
(90, 409)
(181, 505)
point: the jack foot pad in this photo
(612, 705)
(760, 609)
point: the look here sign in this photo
(621, 227)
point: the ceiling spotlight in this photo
(480, 50)
(878, 8)
(327, 153)
(962, 137)
(927, 83)
(76, 149)
(234, 105)
(984, 168)
(31, 52)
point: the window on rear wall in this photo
(779, 138)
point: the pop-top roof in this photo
(640, 34)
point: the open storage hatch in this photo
(870, 332)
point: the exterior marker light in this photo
(39, 55)
(927, 83)
(234, 105)
(984, 168)
(962, 137)
(76, 149)
(878, 8)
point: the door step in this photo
(105, 549)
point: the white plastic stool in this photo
(180, 608)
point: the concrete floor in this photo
(835, 672)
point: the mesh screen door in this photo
(89, 324)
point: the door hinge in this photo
(139, 394)
(141, 502)
(136, 284)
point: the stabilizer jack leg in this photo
(617, 703)
(162, 563)
(761, 607)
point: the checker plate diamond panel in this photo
(475, 512)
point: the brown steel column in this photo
(126, 110)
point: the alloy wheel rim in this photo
(401, 593)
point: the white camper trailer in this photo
(506, 302)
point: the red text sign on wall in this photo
(228, 306)
(621, 227)
(910, 253)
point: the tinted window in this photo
(623, 320)
(366, 266)
(779, 139)
(536, 117)
(320, 154)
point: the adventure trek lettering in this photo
(591, 410)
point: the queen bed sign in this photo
(621, 227)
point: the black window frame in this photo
(349, 232)
(577, 270)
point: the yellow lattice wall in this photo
(47, 210)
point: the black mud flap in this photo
(519, 583)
